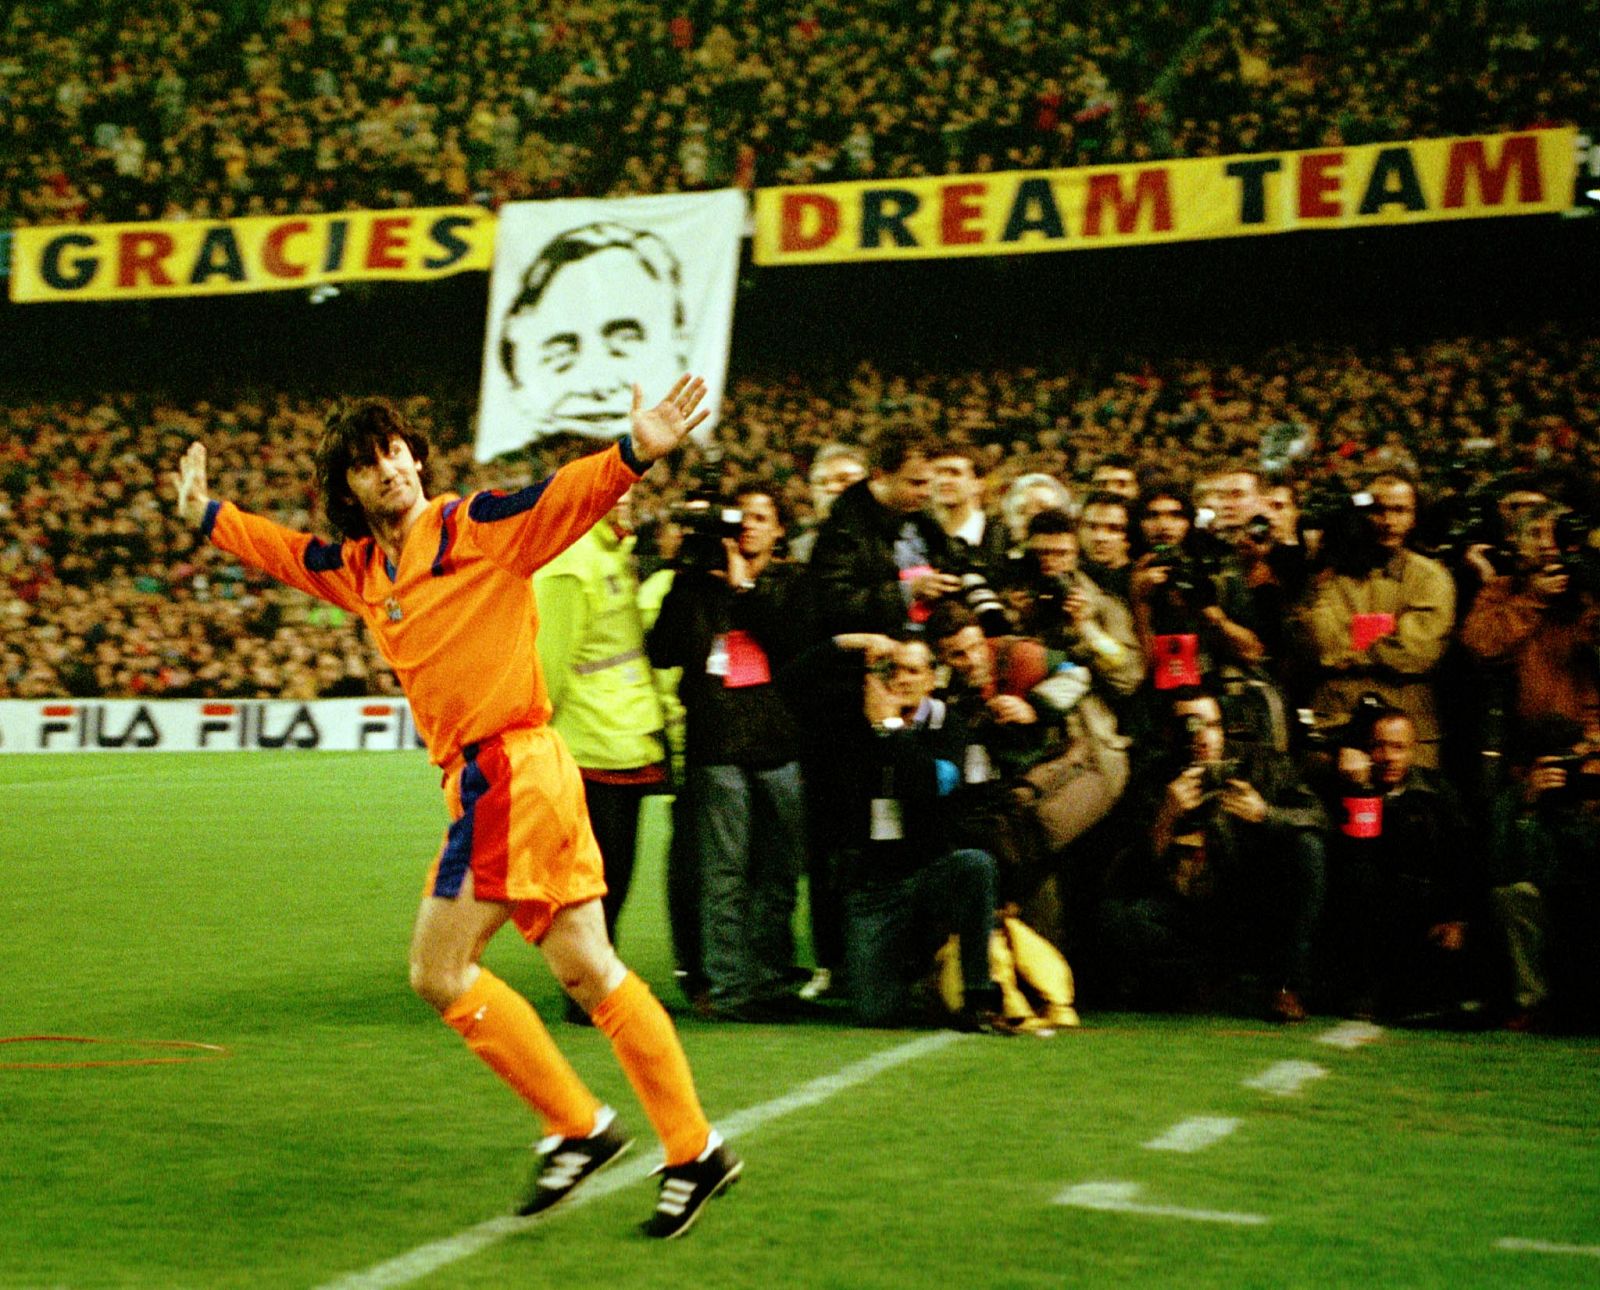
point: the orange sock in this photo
(504, 1030)
(651, 1057)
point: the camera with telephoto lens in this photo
(977, 593)
(1344, 519)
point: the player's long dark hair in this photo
(356, 432)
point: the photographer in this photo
(1380, 616)
(1039, 757)
(1542, 620)
(730, 620)
(1076, 619)
(1177, 596)
(1403, 876)
(1229, 875)
(908, 888)
(1546, 882)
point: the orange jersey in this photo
(456, 620)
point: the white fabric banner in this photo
(589, 296)
(203, 725)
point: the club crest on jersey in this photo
(391, 607)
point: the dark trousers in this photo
(614, 815)
(893, 927)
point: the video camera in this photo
(1349, 542)
(706, 519)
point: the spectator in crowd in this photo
(1228, 875)
(1545, 888)
(1026, 497)
(602, 691)
(835, 467)
(1116, 473)
(1105, 542)
(1379, 618)
(731, 621)
(957, 503)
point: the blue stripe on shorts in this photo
(456, 858)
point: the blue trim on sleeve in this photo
(456, 858)
(447, 533)
(492, 505)
(213, 508)
(323, 557)
(629, 458)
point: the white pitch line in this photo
(1194, 1134)
(1119, 1198)
(1522, 1246)
(1284, 1079)
(1351, 1034)
(425, 1259)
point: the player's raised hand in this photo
(190, 482)
(658, 430)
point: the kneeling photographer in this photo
(1227, 879)
(731, 620)
(1545, 876)
(1036, 760)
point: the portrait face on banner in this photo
(590, 297)
(600, 308)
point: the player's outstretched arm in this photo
(658, 430)
(190, 482)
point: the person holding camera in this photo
(1077, 620)
(1379, 617)
(1542, 620)
(1039, 758)
(1545, 879)
(731, 619)
(909, 885)
(1404, 876)
(1227, 878)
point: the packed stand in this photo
(167, 110)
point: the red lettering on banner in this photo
(807, 221)
(217, 710)
(1319, 178)
(1151, 187)
(957, 211)
(272, 257)
(378, 710)
(58, 710)
(142, 254)
(387, 237)
(1471, 156)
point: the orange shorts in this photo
(519, 826)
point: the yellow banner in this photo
(260, 253)
(1015, 212)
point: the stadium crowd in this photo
(169, 110)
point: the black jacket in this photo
(855, 566)
(745, 725)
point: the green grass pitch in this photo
(262, 902)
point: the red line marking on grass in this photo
(193, 1052)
